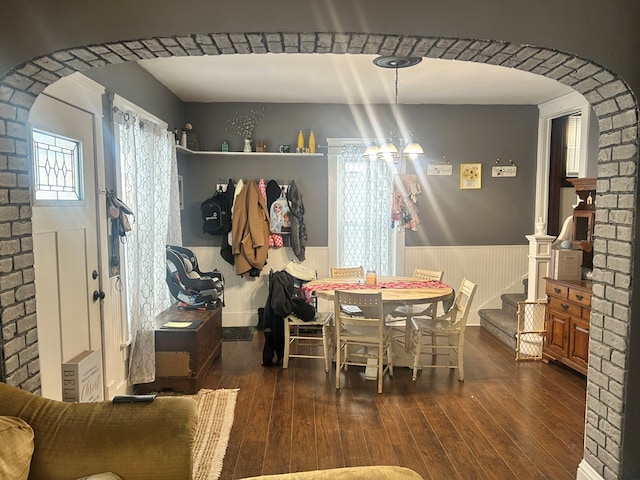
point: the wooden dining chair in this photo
(400, 316)
(362, 339)
(451, 326)
(347, 272)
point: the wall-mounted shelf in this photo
(186, 151)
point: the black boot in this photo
(260, 319)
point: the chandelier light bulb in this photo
(413, 150)
(372, 151)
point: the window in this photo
(57, 167)
(149, 179)
(363, 221)
(573, 145)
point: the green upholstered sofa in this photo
(49, 440)
(73, 440)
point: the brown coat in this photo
(250, 229)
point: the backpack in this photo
(279, 216)
(216, 214)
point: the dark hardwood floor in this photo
(506, 420)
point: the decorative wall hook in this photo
(440, 166)
(504, 171)
(443, 160)
(501, 157)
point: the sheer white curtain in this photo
(363, 196)
(150, 188)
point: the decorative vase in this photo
(247, 145)
(300, 142)
(312, 142)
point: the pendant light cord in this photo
(395, 119)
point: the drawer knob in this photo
(556, 290)
(564, 306)
(579, 297)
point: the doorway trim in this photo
(558, 107)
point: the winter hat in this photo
(300, 271)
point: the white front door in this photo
(65, 243)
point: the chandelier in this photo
(395, 146)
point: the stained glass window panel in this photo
(56, 167)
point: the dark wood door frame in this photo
(557, 172)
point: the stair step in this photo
(503, 325)
(510, 302)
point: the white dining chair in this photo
(451, 326)
(302, 339)
(362, 339)
(400, 316)
(347, 272)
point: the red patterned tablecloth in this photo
(308, 289)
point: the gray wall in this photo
(202, 173)
(132, 82)
(500, 213)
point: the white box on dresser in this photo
(567, 264)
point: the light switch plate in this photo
(499, 171)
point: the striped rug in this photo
(215, 418)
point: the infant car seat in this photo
(188, 284)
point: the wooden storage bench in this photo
(184, 355)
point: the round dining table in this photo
(395, 291)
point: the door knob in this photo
(98, 295)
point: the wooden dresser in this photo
(567, 317)
(184, 355)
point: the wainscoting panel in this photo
(115, 345)
(243, 296)
(496, 270)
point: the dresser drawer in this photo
(580, 296)
(557, 290)
(567, 321)
(564, 306)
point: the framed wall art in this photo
(470, 176)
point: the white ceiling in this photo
(330, 78)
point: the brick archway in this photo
(613, 102)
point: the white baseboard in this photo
(116, 388)
(586, 472)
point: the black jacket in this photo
(298, 227)
(278, 306)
